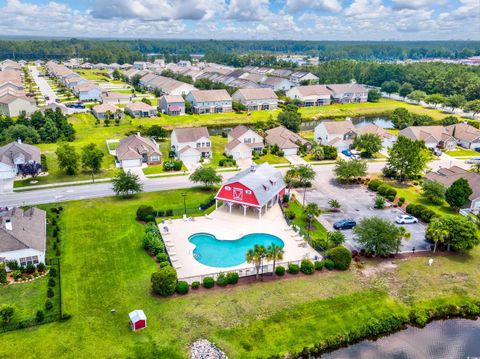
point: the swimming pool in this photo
(228, 253)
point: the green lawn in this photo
(318, 232)
(104, 267)
(272, 159)
(462, 152)
(93, 74)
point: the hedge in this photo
(208, 282)
(143, 212)
(307, 267)
(293, 268)
(182, 287)
(374, 184)
(420, 211)
(341, 257)
(280, 271)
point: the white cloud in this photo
(294, 6)
(248, 10)
(415, 4)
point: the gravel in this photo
(203, 349)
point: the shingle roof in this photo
(284, 138)
(173, 98)
(343, 88)
(104, 107)
(139, 106)
(375, 129)
(238, 131)
(313, 90)
(339, 127)
(439, 133)
(258, 94)
(15, 149)
(190, 134)
(210, 95)
(28, 230)
(133, 146)
(447, 176)
(464, 132)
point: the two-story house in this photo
(191, 144)
(335, 133)
(311, 95)
(257, 98)
(210, 101)
(348, 93)
(242, 140)
(172, 105)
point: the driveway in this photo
(357, 203)
(43, 85)
(296, 160)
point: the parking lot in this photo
(357, 202)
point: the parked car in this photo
(347, 153)
(47, 98)
(344, 224)
(473, 160)
(406, 219)
(477, 149)
(57, 100)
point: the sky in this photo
(245, 19)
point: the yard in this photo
(463, 152)
(93, 74)
(318, 233)
(104, 267)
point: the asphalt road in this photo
(43, 85)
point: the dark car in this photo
(344, 224)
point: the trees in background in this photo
(435, 99)
(374, 95)
(390, 87)
(407, 158)
(368, 143)
(453, 232)
(457, 194)
(378, 236)
(405, 89)
(455, 101)
(417, 95)
(472, 106)
(290, 118)
(67, 158)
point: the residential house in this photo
(14, 105)
(467, 136)
(135, 150)
(446, 176)
(210, 101)
(348, 93)
(257, 99)
(335, 133)
(116, 98)
(311, 95)
(73, 81)
(277, 83)
(140, 109)
(286, 140)
(172, 105)
(23, 236)
(145, 79)
(88, 91)
(433, 136)
(107, 110)
(388, 139)
(191, 144)
(242, 140)
(169, 86)
(140, 65)
(298, 77)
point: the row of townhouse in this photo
(85, 90)
(13, 98)
(320, 95)
(295, 77)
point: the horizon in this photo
(262, 20)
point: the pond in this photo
(449, 339)
(381, 121)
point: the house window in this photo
(198, 144)
(23, 262)
(248, 191)
(227, 188)
(35, 259)
(207, 144)
(155, 158)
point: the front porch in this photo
(243, 207)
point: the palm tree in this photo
(290, 177)
(274, 253)
(476, 167)
(255, 256)
(317, 153)
(306, 174)
(437, 235)
(403, 234)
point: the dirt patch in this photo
(382, 267)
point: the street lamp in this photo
(184, 195)
(309, 225)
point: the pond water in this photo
(449, 339)
(381, 121)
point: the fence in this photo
(52, 315)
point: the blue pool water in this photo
(228, 253)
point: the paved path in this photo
(43, 85)
(296, 160)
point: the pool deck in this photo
(229, 226)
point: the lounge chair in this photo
(185, 219)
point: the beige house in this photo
(257, 98)
(348, 93)
(135, 150)
(312, 95)
(191, 144)
(116, 98)
(433, 136)
(13, 105)
(107, 110)
(210, 101)
(242, 140)
(140, 109)
(286, 140)
(467, 136)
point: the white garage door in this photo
(290, 151)
(131, 163)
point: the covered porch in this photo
(243, 207)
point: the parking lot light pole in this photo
(184, 195)
(309, 225)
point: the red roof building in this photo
(258, 187)
(138, 319)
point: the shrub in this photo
(307, 266)
(392, 192)
(169, 212)
(290, 214)
(401, 201)
(195, 285)
(41, 267)
(50, 292)
(13, 265)
(379, 202)
(48, 304)
(143, 212)
(17, 274)
(391, 197)
(164, 264)
(280, 271)
(66, 316)
(341, 257)
(293, 268)
(374, 184)
(40, 316)
(30, 268)
(383, 189)
(318, 265)
(161, 213)
(222, 280)
(3, 274)
(232, 278)
(410, 208)
(164, 282)
(51, 282)
(177, 165)
(329, 264)
(162, 257)
(182, 287)
(208, 282)
(53, 272)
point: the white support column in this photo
(244, 210)
(216, 203)
(230, 207)
(259, 212)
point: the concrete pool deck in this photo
(229, 226)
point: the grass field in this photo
(317, 232)
(104, 267)
(463, 152)
(272, 159)
(93, 74)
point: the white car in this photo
(406, 219)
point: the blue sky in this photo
(245, 19)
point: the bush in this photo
(410, 208)
(177, 165)
(329, 264)
(48, 304)
(379, 202)
(195, 285)
(222, 280)
(208, 282)
(318, 265)
(392, 192)
(51, 282)
(341, 257)
(383, 189)
(290, 214)
(30, 268)
(66, 316)
(307, 267)
(50, 292)
(143, 212)
(401, 201)
(374, 184)
(169, 212)
(391, 198)
(40, 316)
(3, 274)
(232, 278)
(164, 282)
(182, 287)
(13, 265)
(41, 267)
(162, 257)
(164, 264)
(280, 271)
(161, 213)
(293, 268)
